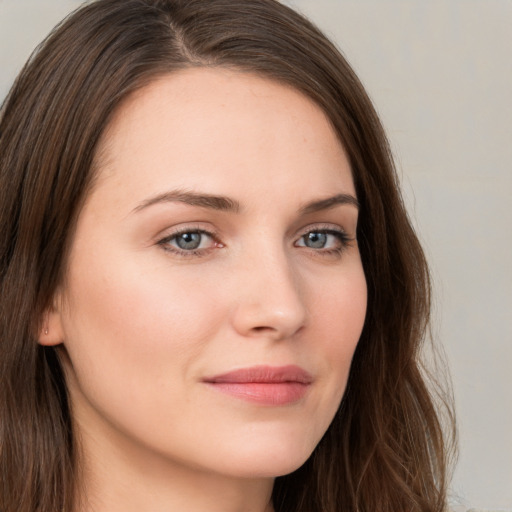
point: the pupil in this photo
(316, 240)
(189, 240)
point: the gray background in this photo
(440, 73)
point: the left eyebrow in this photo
(329, 202)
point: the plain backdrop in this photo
(440, 74)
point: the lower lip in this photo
(265, 393)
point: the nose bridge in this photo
(271, 298)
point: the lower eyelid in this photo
(343, 239)
(337, 246)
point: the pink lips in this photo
(266, 385)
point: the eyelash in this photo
(165, 242)
(342, 237)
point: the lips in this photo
(266, 385)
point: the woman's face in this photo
(214, 293)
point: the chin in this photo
(268, 468)
(271, 459)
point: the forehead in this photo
(203, 125)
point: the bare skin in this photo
(219, 237)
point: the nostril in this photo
(263, 329)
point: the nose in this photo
(270, 299)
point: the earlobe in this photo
(51, 332)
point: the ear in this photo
(51, 332)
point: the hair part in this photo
(385, 450)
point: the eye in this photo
(316, 240)
(325, 240)
(189, 242)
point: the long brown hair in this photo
(385, 450)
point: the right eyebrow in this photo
(210, 201)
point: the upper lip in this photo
(263, 374)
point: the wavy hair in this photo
(385, 451)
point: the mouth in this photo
(265, 385)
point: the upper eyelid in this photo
(168, 235)
(187, 228)
(322, 226)
(325, 227)
(341, 234)
(164, 243)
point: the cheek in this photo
(129, 330)
(134, 339)
(342, 310)
(339, 319)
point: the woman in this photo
(212, 297)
